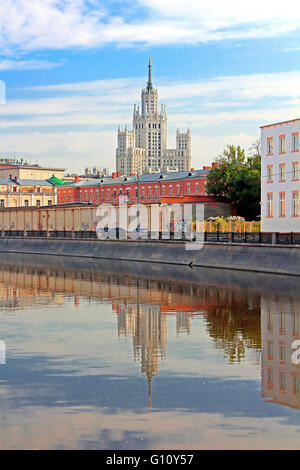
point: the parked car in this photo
(111, 233)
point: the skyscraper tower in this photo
(144, 149)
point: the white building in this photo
(144, 148)
(280, 328)
(280, 186)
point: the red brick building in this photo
(147, 189)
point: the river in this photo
(112, 355)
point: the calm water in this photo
(117, 356)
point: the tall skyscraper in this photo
(144, 148)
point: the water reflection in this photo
(280, 328)
(205, 339)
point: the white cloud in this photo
(30, 64)
(78, 124)
(73, 150)
(44, 24)
(237, 87)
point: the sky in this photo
(71, 71)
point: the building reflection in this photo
(236, 320)
(280, 326)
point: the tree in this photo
(237, 179)
(247, 193)
(254, 159)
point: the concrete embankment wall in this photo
(246, 257)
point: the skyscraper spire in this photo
(149, 84)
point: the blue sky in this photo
(73, 70)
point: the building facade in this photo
(280, 329)
(144, 148)
(26, 193)
(29, 172)
(280, 186)
(164, 188)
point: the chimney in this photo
(207, 168)
(119, 174)
(214, 165)
(192, 169)
(77, 179)
(114, 175)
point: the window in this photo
(295, 203)
(270, 350)
(270, 146)
(189, 188)
(170, 190)
(282, 172)
(282, 353)
(197, 188)
(282, 323)
(26, 203)
(143, 192)
(108, 194)
(49, 203)
(102, 194)
(295, 323)
(270, 377)
(270, 173)
(270, 204)
(178, 190)
(163, 190)
(296, 384)
(270, 321)
(282, 144)
(156, 192)
(282, 204)
(295, 170)
(282, 380)
(295, 142)
(38, 203)
(2, 204)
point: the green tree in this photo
(236, 179)
(247, 193)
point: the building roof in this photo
(151, 178)
(56, 181)
(26, 166)
(279, 123)
(23, 182)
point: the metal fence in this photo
(290, 238)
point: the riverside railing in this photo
(290, 238)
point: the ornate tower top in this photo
(149, 84)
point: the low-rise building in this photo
(158, 188)
(29, 172)
(18, 193)
(280, 185)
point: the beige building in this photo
(26, 193)
(280, 329)
(144, 148)
(29, 172)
